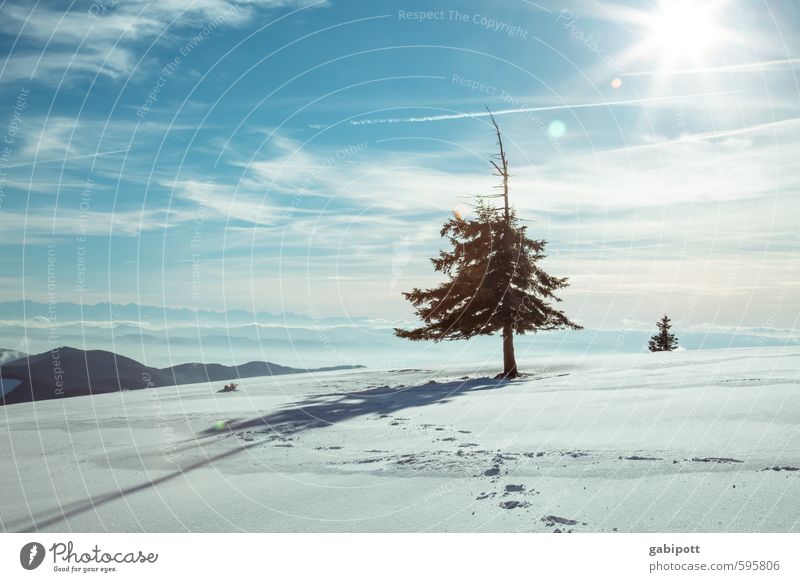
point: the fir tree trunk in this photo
(509, 361)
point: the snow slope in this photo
(682, 441)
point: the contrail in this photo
(539, 6)
(56, 160)
(744, 67)
(531, 109)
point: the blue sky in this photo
(285, 155)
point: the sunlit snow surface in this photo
(685, 441)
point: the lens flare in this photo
(556, 129)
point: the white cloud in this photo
(101, 38)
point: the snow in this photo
(685, 441)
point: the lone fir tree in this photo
(663, 341)
(494, 283)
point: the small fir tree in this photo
(663, 341)
(494, 283)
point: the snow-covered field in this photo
(682, 441)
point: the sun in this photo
(683, 32)
(677, 35)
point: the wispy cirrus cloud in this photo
(38, 228)
(109, 38)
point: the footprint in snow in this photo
(514, 489)
(716, 460)
(368, 461)
(513, 504)
(551, 520)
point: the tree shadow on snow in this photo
(317, 411)
(321, 410)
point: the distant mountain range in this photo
(117, 312)
(65, 372)
(162, 336)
